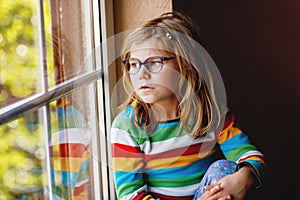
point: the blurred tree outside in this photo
(22, 152)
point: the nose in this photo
(144, 73)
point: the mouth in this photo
(145, 87)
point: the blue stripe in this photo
(68, 178)
(234, 142)
(166, 125)
(127, 112)
(256, 164)
(127, 177)
(69, 112)
(85, 164)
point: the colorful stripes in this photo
(70, 156)
(168, 163)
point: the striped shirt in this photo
(169, 164)
(70, 156)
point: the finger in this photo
(210, 195)
(226, 197)
(215, 189)
(209, 187)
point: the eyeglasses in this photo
(153, 64)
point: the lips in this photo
(146, 87)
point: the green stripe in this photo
(71, 122)
(141, 136)
(83, 173)
(168, 133)
(63, 191)
(236, 153)
(128, 188)
(176, 182)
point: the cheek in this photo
(134, 82)
(170, 79)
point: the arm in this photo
(127, 162)
(237, 147)
(251, 165)
(234, 186)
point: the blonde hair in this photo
(177, 34)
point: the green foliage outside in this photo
(22, 149)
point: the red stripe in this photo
(68, 150)
(228, 120)
(80, 189)
(122, 150)
(246, 158)
(140, 196)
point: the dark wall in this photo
(256, 46)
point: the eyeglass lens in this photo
(153, 64)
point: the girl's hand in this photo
(237, 184)
(234, 186)
(214, 192)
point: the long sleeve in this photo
(237, 147)
(127, 162)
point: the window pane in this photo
(73, 127)
(23, 157)
(20, 67)
(71, 37)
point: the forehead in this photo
(148, 48)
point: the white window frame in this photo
(100, 27)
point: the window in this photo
(54, 100)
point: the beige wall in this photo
(131, 13)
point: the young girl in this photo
(167, 139)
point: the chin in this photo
(148, 100)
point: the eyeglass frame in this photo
(125, 61)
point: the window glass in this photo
(50, 144)
(23, 151)
(20, 57)
(71, 37)
(23, 157)
(73, 122)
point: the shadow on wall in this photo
(255, 45)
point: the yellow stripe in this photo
(55, 150)
(148, 197)
(228, 133)
(134, 103)
(127, 164)
(177, 161)
(86, 155)
(67, 164)
(256, 159)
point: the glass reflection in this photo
(70, 149)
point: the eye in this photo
(133, 64)
(154, 62)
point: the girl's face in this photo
(155, 88)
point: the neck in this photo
(165, 112)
